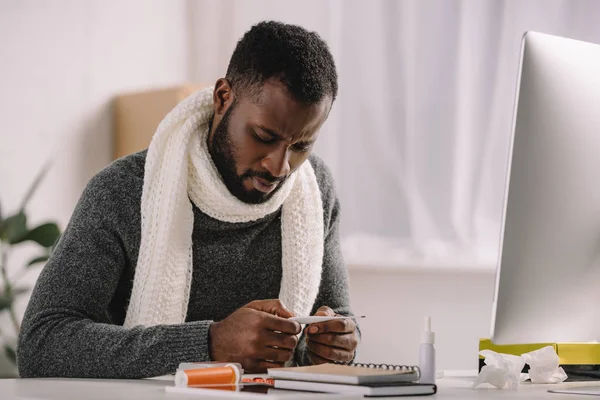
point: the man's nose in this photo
(277, 162)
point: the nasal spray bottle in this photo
(427, 354)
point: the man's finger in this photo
(316, 359)
(333, 326)
(263, 365)
(325, 311)
(280, 340)
(283, 325)
(329, 353)
(344, 341)
(275, 355)
(272, 306)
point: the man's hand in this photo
(258, 336)
(330, 341)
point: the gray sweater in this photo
(73, 324)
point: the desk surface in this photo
(457, 386)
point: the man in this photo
(203, 246)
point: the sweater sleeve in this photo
(67, 331)
(334, 286)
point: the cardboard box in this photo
(137, 115)
(581, 361)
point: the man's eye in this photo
(302, 148)
(263, 138)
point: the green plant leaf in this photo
(14, 228)
(11, 354)
(37, 260)
(7, 298)
(5, 301)
(18, 291)
(45, 235)
(36, 182)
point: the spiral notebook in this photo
(351, 374)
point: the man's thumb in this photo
(325, 312)
(273, 306)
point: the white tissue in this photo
(500, 370)
(504, 370)
(543, 366)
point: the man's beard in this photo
(223, 152)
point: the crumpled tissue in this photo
(504, 370)
(500, 370)
(543, 366)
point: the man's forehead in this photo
(276, 110)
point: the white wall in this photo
(61, 63)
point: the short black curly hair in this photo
(300, 59)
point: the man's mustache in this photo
(263, 175)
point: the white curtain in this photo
(418, 139)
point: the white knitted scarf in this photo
(179, 169)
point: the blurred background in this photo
(417, 140)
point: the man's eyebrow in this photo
(270, 132)
(278, 136)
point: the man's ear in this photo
(222, 96)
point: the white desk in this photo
(449, 387)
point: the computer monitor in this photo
(548, 277)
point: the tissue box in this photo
(581, 361)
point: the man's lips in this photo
(263, 185)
